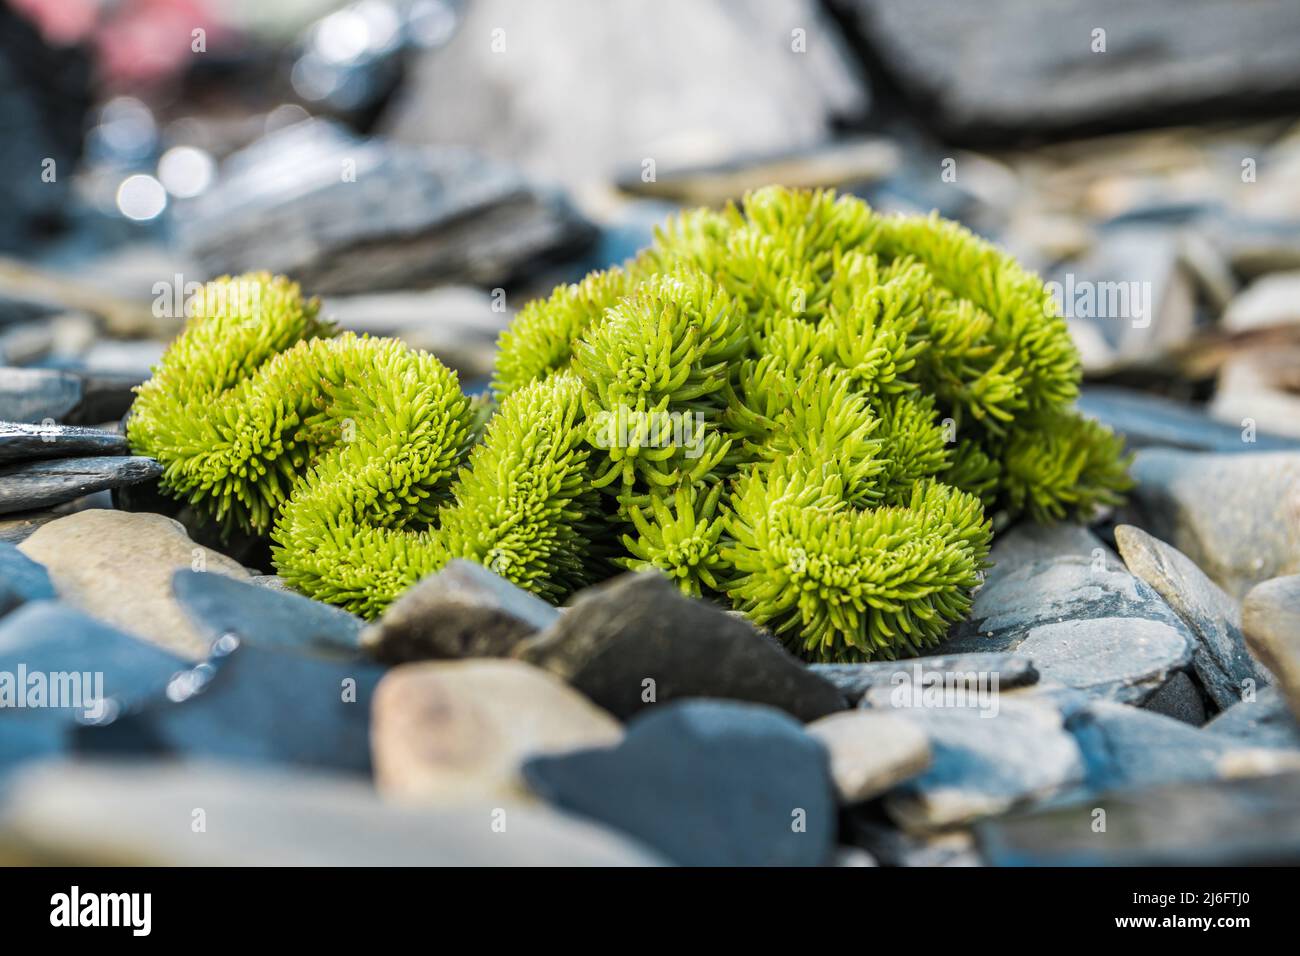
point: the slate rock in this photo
(1270, 617)
(895, 847)
(855, 681)
(985, 761)
(17, 528)
(722, 94)
(258, 705)
(118, 567)
(464, 610)
(1010, 69)
(23, 442)
(90, 812)
(1221, 661)
(1127, 302)
(1145, 420)
(1179, 698)
(639, 627)
(99, 671)
(406, 217)
(1065, 601)
(28, 735)
(37, 484)
(33, 395)
(870, 752)
(21, 579)
(706, 783)
(1264, 721)
(218, 605)
(1232, 515)
(1246, 822)
(454, 730)
(1126, 747)
(1271, 300)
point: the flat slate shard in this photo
(1246, 822)
(1059, 597)
(91, 812)
(707, 783)
(26, 442)
(1234, 516)
(1125, 747)
(405, 217)
(37, 484)
(1003, 69)
(985, 761)
(1222, 662)
(856, 680)
(639, 628)
(48, 638)
(254, 705)
(218, 605)
(21, 579)
(32, 395)
(1266, 721)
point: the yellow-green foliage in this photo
(797, 406)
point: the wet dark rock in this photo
(987, 758)
(218, 606)
(1262, 721)
(856, 680)
(33, 395)
(24, 442)
(46, 638)
(1145, 420)
(637, 642)
(105, 396)
(255, 704)
(1179, 698)
(1271, 619)
(21, 579)
(38, 484)
(1231, 515)
(1005, 70)
(895, 847)
(707, 783)
(464, 610)
(1243, 822)
(368, 215)
(1221, 661)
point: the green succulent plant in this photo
(797, 407)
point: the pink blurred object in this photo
(136, 42)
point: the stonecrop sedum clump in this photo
(797, 407)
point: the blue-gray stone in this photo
(1246, 822)
(1265, 721)
(219, 605)
(988, 756)
(26, 442)
(46, 638)
(37, 484)
(1065, 601)
(1127, 747)
(856, 680)
(21, 579)
(256, 704)
(707, 783)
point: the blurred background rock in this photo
(429, 165)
